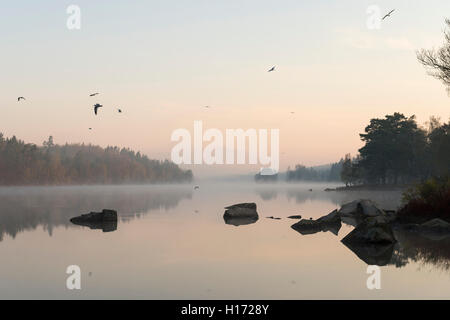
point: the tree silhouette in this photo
(437, 61)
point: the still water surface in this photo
(171, 242)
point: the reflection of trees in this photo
(412, 246)
(267, 194)
(27, 208)
(389, 200)
(425, 249)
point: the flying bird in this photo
(196, 187)
(96, 106)
(93, 94)
(388, 15)
(207, 107)
(20, 98)
(272, 69)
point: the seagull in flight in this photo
(96, 106)
(20, 98)
(93, 94)
(272, 69)
(388, 15)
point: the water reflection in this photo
(23, 209)
(240, 221)
(105, 226)
(420, 248)
(411, 246)
(372, 254)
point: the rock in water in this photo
(105, 220)
(372, 230)
(330, 222)
(241, 210)
(360, 208)
(241, 214)
(333, 217)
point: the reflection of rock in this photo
(240, 221)
(331, 222)
(105, 220)
(241, 214)
(420, 247)
(372, 254)
(372, 230)
(106, 226)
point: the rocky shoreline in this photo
(376, 231)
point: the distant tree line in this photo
(303, 173)
(398, 151)
(28, 164)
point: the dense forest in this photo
(398, 151)
(51, 164)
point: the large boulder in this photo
(241, 210)
(373, 230)
(360, 208)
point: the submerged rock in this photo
(295, 217)
(105, 220)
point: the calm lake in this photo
(172, 242)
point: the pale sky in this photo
(162, 61)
